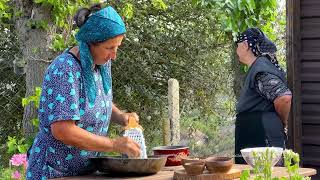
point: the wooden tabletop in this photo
(167, 174)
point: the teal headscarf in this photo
(100, 26)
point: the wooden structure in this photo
(174, 113)
(171, 125)
(181, 174)
(303, 55)
(168, 172)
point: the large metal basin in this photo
(118, 164)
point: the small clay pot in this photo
(219, 164)
(194, 168)
(191, 159)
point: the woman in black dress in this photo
(264, 104)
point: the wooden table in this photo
(167, 174)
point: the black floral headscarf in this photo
(260, 44)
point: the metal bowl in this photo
(118, 164)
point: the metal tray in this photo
(118, 164)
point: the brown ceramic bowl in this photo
(194, 168)
(191, 159)
(219, 164)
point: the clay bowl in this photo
(191, 160)
(194, 168)
(219, 164)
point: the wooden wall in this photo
(303, 45)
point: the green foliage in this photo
(175, 43)
(15, 143)
(291, 162)
(263, 169)
(58, 43)
(6, 173)
(263, 162)
(62, 12)
(62, 16)
(17, 146)
(245, 174)
(159, 4)
(12, 88)
(23, 144)
(238, 15)
(17, 168)
(35, 122)
(178, 46)
(242, 14)
(127, 11)
(166, 39)
(42, 24)
(35, 98)
(5, 13)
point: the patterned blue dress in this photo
(63, 98)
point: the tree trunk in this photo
(34, 48)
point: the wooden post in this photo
(166, 135)
(294, 73)
(174, 115)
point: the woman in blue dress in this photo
(76, 101)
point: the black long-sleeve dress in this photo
(257, 123)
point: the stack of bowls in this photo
(196, 166)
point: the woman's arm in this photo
(282, 105)
(275, 90)
(69, 133)
(120, 117)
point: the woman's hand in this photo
(127, 115)
(70, 134)
(122, 118)
(127, 146)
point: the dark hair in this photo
(83, 14)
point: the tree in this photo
(238, 15)
(33, 43)
(179, 42)
(164, 40)
(44, 28)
